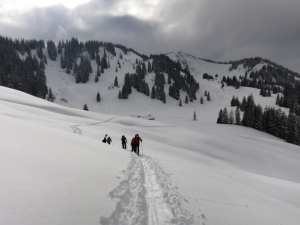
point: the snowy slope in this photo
(55, 169)
(73, 95)
(199, 67)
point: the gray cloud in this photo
(234, 29)
(215, 29)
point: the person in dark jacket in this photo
(132, 145)
(124, 141)
(104, 139)
(108, 140)
(137, 140)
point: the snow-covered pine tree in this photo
(98, 97)
(258, 117)
(85, 107)
(237, 102)
(45, 59)
(52, 51)
(220, 118)
(277, 99)
(186, 100)
(244, 104)
(201, 100)
(98, 72)
(233, 101)
(120, 95)
(225, 117)
(180, 104)
(51, 97)
(208, 96)
(231, 117)
(116, 84)
(149, 67)
(291, 131)
(237, 116)
(153, 94)
(194, 116)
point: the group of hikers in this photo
(135, 142)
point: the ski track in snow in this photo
(146, 196)
(76, 130)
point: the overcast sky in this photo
(221, 30)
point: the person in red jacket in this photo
(137, 140)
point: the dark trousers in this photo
(124, 145)
(137, 149)
(132, 147)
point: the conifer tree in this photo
(237, 102)
(231, 117)
(40, 53)
(233, 101)
(186, 100)
(98, 97)
(220, 118)
(201, 100)
(125, 93)
(205, 93)
(194, 116)
(244, 103)
(149, 67)
(277, 99)
(291, 134)
(96, 78)
(180, 104)
(98, 72)
(85, 107)
(62, 62)
(98, 59)
(208, 96)
(45, 59)
(116, 84)
(237, 116)
(50, 95)
(120, 95)
(116, 69)
(153, 94)
(225, 117)
(42, 65)
(169, 80)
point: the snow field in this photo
(54, 168)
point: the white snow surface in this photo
(54, 168)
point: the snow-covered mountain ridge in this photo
(245, 65)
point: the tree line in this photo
(269, 120)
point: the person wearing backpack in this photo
(124, 141)
(137, 140)
(108, 140)
(132, 145)
(104, 139)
